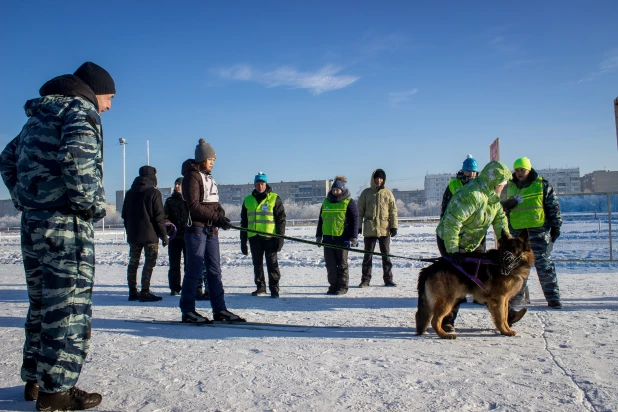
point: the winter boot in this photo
(72, 400)
(274, 293)
(554, 304)
(31, 391)
(331, 291)
(146, 296)
(364, 284)
(194, 317)
(259, 291)
(341, 291)
(390, 283)
(133, 295)
(515, 315)
(227, 316)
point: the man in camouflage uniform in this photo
(533, 205)
(54, 172)
(144, 221)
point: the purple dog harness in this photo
(474, 277)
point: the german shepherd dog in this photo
(441, 285)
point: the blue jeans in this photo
(202, 250)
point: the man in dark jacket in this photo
(144, 222)
(533, 205)
(176, 212)
(263, 211)
(54, 172)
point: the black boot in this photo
(261, 290)
(146, 296)
(515, 315)
(133, 294)
(31, 391)
(72, 400)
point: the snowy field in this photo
(558, 361)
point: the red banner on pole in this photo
(494, 149)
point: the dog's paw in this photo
(448, 336)
(509, 332)
(448, 328)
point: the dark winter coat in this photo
(142, 212)
(200, 213)
(551, 206)
(279, 214)
(176, 212)
(350, 230)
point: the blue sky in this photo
(309, 90)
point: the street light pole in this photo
(123, 143)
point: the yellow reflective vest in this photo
(333, 217)
(530, 213)
(261, 216)
(454, 185)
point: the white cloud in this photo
(396, 98)
(323, 80)
(609, 65)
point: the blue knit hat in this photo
(339, 183)
(260, 177)
(470, 165)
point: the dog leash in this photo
(477, 261)
(308, 242)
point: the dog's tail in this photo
(423, 313)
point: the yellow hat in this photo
(522, 163)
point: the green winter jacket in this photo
(472, 209)
(377, 209)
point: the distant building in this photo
(410, 196)
(308, 191)
(7, 208)
(600, 181)
(562, 180)
(165, 193)
(435, 186)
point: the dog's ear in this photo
(524, 236)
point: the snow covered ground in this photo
(559, 360)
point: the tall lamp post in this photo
(123, 143)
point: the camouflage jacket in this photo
(56, 162)
(472, 209)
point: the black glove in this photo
(360, 230)
(457, 258)
(87, 214)
(394, 232)
(244, 249)
(165, 241)
(509, 204)
(318, 239)
(280, 245)
(554, 233)
(224, 223)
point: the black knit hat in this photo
(97, 78)
(179, 181)
(379, 173)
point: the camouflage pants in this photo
(135, 252)
(545, 268)
(58, 256)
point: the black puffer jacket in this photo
(201, 213)
(142, 212)
(176, 211)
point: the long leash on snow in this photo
(319, 244)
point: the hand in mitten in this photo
(244, 249)
(280, 245)
(394, 232)
(318, 239)
(554, 232)
(224, 223)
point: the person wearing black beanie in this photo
(63, 133)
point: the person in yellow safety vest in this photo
(532, 204)
(469, 171)
(337, 226)
(263, 211)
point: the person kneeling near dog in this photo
(466, 219)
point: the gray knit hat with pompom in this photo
(204, 151)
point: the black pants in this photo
(336, 261)
(450, 318)
(385, 247)
(261, 246)
(175, 251)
